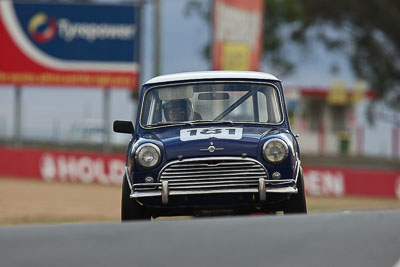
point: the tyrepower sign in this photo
(69, 44)
(237, 34)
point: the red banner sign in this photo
(237, 34)
(334, 181)
(85, 167)
(108, 168)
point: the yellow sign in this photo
(235, 56)
(359, 92)
(338, 93)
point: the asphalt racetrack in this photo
(334, 239)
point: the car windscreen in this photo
(211, 102)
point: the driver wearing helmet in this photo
(178, 110)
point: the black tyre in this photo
(130, 208)
(297, 202)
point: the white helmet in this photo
(184, 103)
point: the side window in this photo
(152, 109)
(273, 106)
(262, 107)
(157, 114)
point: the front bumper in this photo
(178, 178)
(163, 190)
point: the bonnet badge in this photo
(211, 148)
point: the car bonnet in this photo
(208, 141)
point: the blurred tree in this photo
(364, 30)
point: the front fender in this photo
(135, 172)
(287, 168)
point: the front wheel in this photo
(297, 202)
(130, 208)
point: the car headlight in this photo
(275, 150)
(148, 155)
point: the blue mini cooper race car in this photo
(215, 142)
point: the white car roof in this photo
(212, 75)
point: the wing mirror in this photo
(123, 127)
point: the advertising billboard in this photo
(69, 44)
(237, 34)
(62, 165)
(109, 168)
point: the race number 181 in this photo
(206, 133)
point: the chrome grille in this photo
(213, 174)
